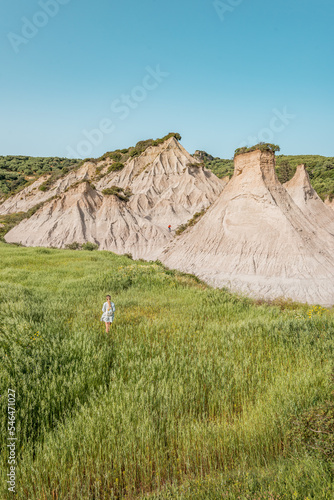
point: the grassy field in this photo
(195, 393)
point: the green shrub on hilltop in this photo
(122, 155)
(261, 146)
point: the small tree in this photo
(284, 171)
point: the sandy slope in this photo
(255, 239)
(303, 194)
(166, 190)
(82, 214)
(31, 196)
(329, 203)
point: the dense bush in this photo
(18, 171)
(122, 194)
(84, 246)
(261, 146)
(89, 246)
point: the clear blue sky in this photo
(229, 65)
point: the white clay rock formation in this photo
(168, 188)
(303, 194)
(31, 195)
(168, 184)
(82, 214)
(256, 240)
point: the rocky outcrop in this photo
(168, 187)
(255, 239)
(329, 203)
(82, 214)
(303, 194)
(168, 184)
(203, 156)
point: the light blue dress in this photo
(108, 312)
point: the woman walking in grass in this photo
(108, 310)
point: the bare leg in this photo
(107, 326)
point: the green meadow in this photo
(195, 393)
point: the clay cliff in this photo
(167, 186)
(303, 194)
(256, 236)
(255, 239)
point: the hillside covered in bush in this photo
(18, 171)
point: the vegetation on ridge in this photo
(261, 146)
(191, 222)
(17, 172)
(122, 155)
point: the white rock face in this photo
(329, 203)
(255, 239)
(82, 214)
(303, 194)
(166, 191)
(31, 196)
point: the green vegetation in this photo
(85, 246)
(319, 168)
(115, 167)
(192, 395)
(221, 168)
(191, 222)
(122, 194)
(262, 146)
(18, 171)
(122, 155)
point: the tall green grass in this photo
(191, 395)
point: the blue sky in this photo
(87, 77)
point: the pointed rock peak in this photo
(301, 179)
